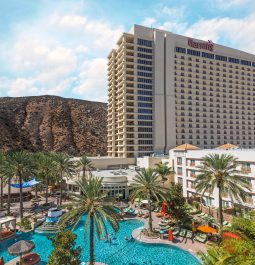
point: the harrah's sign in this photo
(201, 45)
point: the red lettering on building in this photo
(201, 45)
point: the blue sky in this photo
(59, 47)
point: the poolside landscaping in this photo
(157, 225)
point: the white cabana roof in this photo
(7, 219)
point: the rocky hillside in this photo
(50, 123)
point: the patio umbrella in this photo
(2, 261)
(21, 247)
(207, 229)
(226, 235)
(122, 205)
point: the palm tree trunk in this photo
(220, 208)
(150, 216)
(46, 193)
(20, 197)
(91, 241)
(9, 197)
(61, 191)
(1, 194)
(36, 192)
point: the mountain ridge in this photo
(53, 123)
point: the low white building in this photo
(186, 158)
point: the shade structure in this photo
(122, 205)
(207, 229)
(226, 235)
(21, 247)
(27, 184)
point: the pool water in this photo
(118, 253)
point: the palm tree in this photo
(93, 202)
(86, 165)
(64, 168)
(45, 170)
(220, 172)
(147, 185)
(19, 165)
(163, 170)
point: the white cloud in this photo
(149, 22)
(58, 53)
(230, 3)
(238, 33)
(93, 80)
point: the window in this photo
(233, 60)
(140, 98)
(180, 181)
(144, 62)
(148, 111)
(180, 50)
(192, 162)
(145, 68)
(144, 105)
(140, 49)
(144, 86)
(193, 52)
(179, 170)
(179, 160)
(143, 80)
(144, 74)
(208, 55)
(143, 42)
(144, 117)
(145, 56)
(221, 58)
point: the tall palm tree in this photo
(21, 166)
(147, 185)
(64, 168)
(45, 168)
(220, 172)
(163, 170)
(98, 209)
(85, 164)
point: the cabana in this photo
(7, 227)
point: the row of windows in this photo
(146, 56)
(144, 74)
(140, 49)
(145, 68)
(206, 132)
(144, 86)
(145, 117)
(214, 143)
(144, 62)
(144, 92)
(144, 105)
(143, 42)
(142, 135)
(148, 111)
(144, 123)
(144, 129)
(140, 98)
(217, 57)
(143, 80)
(144, 141)
(192, 136)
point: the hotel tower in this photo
(165, 89)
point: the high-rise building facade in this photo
(165, 89)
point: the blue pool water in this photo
(118, 253)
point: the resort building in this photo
(166, 89)
(185, 159)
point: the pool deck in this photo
(193, 247)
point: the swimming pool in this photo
(119, 252)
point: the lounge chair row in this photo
(188, 234)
